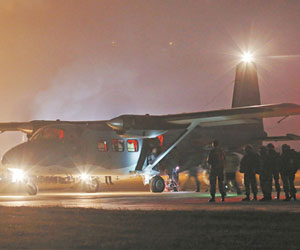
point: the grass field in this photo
(61, 228)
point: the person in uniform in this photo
(216, 159)
(265, 175)
(288, 171)
(273, 162)
(250, 165)
(232, 163)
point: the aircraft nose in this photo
(15, 155)
(5, 159)
(31, 154)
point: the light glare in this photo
(247, 57)
(84, 177)
(18, 175)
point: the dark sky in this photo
(93, 60)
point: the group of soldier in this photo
(268, 164)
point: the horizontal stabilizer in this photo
(287, 137)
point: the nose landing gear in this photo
(91, 185)
(157, 184)
(31, 188)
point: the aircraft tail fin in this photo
(246, 93)
(246, 89)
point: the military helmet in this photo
(270, 146)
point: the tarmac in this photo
(145, 200)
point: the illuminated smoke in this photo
(87, 92)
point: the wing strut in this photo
(148, 170)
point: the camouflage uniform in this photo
(265, 175)
(249, 166)
(232, 163)
(273, 162)
(288, 171)
(216, 159)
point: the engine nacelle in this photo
(140, 133)
(141, 123)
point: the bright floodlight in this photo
(84, 176)
(247, 57)
(18, 175)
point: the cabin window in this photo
(132, 145)
(117, 145)
(102, 146)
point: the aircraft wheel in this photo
(157, 184)
(31, 188)
(92, 186)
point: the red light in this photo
(61, 134)
(161, 140)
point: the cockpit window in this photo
(49, 134)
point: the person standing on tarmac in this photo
(288, 171)
(265, 175)
(273, 162)
(232, 163)
(250, 165)
(216, 159)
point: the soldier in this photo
(273, 162)
(293, 173)
(288, 171)
(216, 159)
(265, 175)
(232, 163)
(249, 166)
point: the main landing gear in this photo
(157, 184)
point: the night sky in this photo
(94, 60)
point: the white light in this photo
(84, 176)
(247, 57)
(18, 175)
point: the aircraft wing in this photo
(151, 125)
(242, 115)
(26, 127)
(31, 126)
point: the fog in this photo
(94, 60)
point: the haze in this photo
(94, 60)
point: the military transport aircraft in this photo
(122, 145)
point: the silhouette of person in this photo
(216, 159)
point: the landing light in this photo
(18, 175)
(84, 177)
(247, 57)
